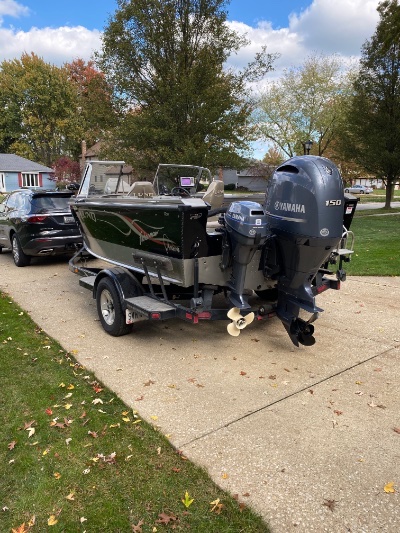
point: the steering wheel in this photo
(180, 191)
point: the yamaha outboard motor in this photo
(304, 208)
(246, 225)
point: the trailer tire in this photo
(109, 309)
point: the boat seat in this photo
(214, 195)
(142, 189)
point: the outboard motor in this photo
(304, 208)
(246, 225)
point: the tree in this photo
(305, 103)
(66, 170)
(95, 105)
(372, 134)
(273, 157)
(39, 118)
(166, 60)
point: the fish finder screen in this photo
(187, 182)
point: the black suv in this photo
(37, 223)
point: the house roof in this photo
(15, 163)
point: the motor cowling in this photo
(304, 208)
(247, 229)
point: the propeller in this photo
(238, 321)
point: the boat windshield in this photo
(102, 178)
(105, 177)
(188, 177)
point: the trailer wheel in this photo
(110, 310)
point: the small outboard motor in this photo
(304, 209)
(246, 225)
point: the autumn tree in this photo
(39, 117)
(372, 133)
(273, 157)
(305, 103)
(95, 105)
(66, 170)
(166, 60)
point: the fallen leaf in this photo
(12, 444)
(31, 431)
(165, 518)
(396, 430)
(57, 475)
(148, 383)
(216, 506)
(187, 501)
(52, 521)
(97, 400)
(242, 373)
(138, 527)
(389, 487)
(330, 504)
(225, 475)
(49, 411)
(70, 497)
(83, 519)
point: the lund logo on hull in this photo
(293, 208)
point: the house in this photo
(17, 172)
(253, 178)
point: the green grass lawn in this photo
(74, 458)
(377, 243)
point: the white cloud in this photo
(329, 27)
(12, 9)
(54, 45)
(340, 26)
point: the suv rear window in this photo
(43, 204)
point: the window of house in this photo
(30, 180)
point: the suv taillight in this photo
(34, 219)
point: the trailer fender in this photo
(126, 284)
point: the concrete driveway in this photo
(309, 437)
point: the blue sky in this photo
(94, 14)
(60, 31)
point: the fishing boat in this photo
(263, 259)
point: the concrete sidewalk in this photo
(306, 436)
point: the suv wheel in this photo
(20, 259)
